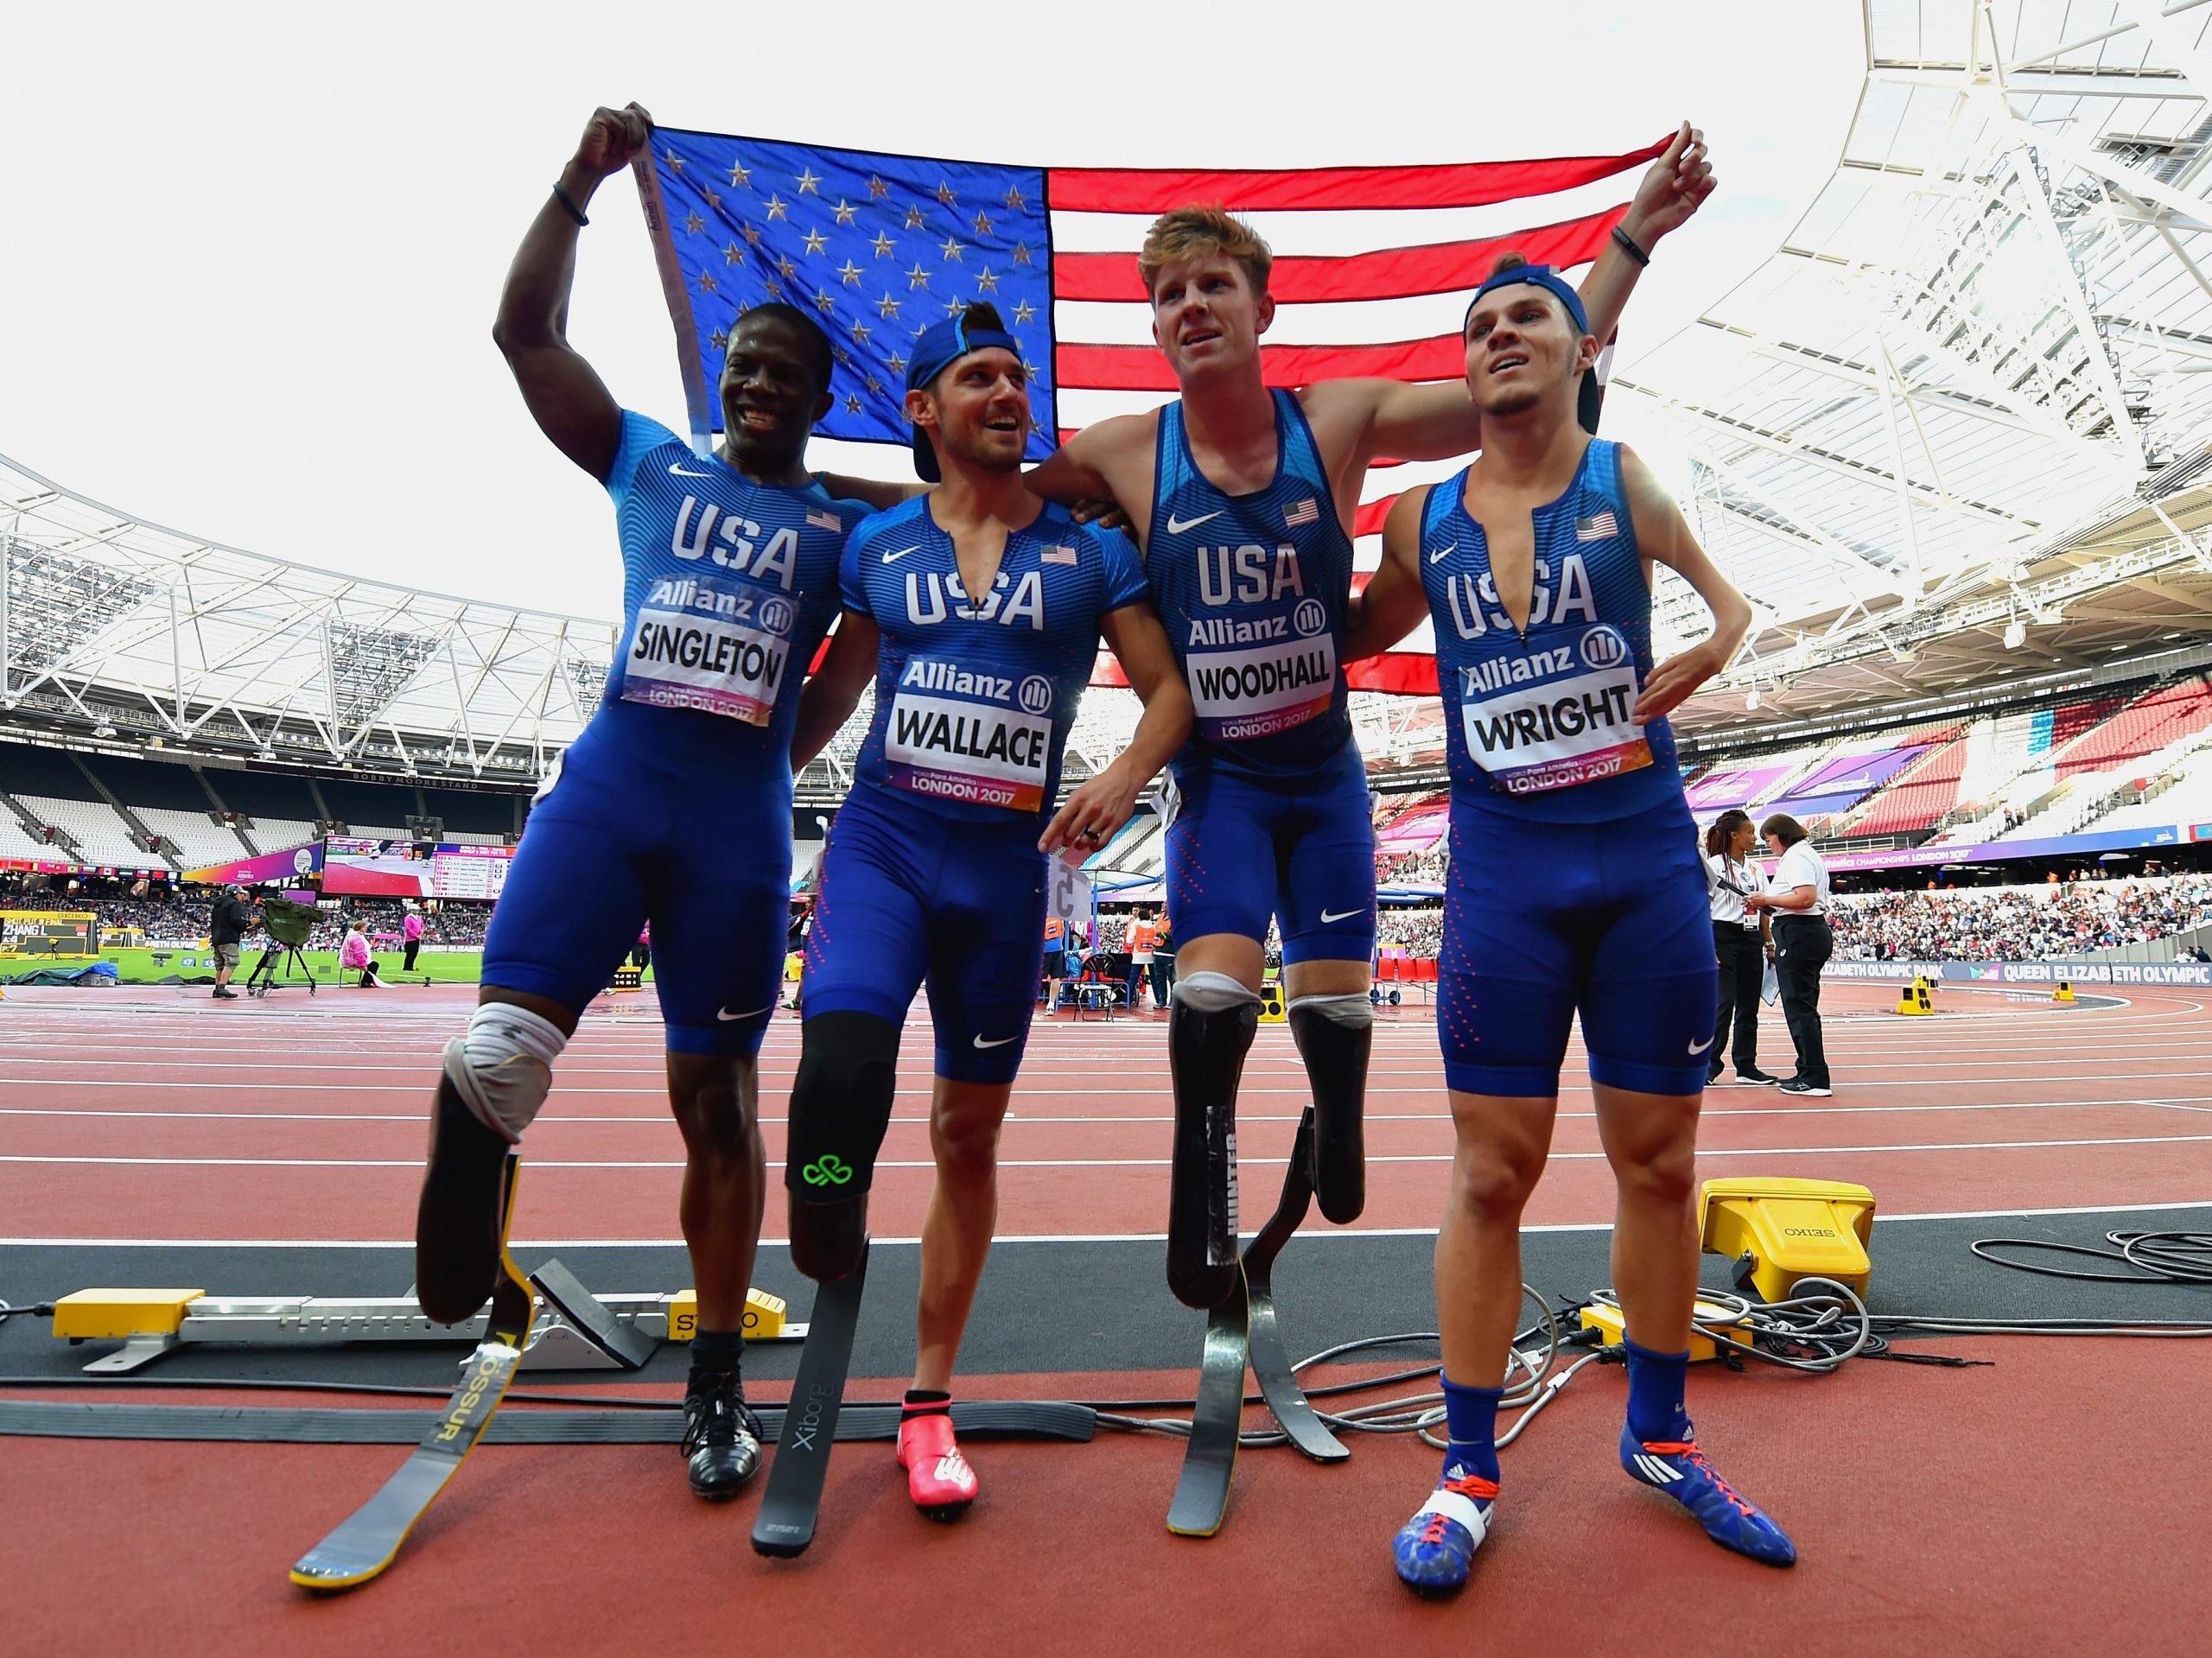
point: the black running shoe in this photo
(1752, 1077)
(722, 1436)
(1814, 1090)
(224, 992)
(457, 1218)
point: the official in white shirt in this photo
(1797, 893)
(1741, 944)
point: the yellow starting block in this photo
(1919, 1000)
(627, 978)
(1272, 1011)
(1608, 1320)
(764, 1316)
(2065, 993)
(1779, 1230)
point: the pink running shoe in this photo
(938, 1477)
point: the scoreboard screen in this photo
(359, 869)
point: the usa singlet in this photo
(1253, 590)
(674, 804)
(1539, 722)
(974, 700)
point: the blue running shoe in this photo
(1435, 1550)
(1681, 1471)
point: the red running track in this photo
(153, 1113)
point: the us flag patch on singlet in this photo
(1306, 511)
(1601, 526)
(1056, 556)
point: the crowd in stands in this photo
(174, 918)
(1418, 932)
(2016, 924)
(1416, 868)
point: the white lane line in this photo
(542, 1163)
(1331, 1235)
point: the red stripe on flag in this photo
(1368, 520)
(1466, 184)
(1142, 368)
(1394, 273)
(1067, 432)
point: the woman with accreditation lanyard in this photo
(1797, 893)
(1741, 944)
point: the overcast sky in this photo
(252, 253)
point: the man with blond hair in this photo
(1242, 500)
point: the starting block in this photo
(573, 1329)
(1778, 1230)
(1919, 1000)
(2065, 993)
(1613, 1323)
(1271, 1010)
(627, 978)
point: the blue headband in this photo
(940, 345)
(1541, 277)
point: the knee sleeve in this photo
(1210, 1023)
(503, 1067)
(841, 1105)
(1335, 1035)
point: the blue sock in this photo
(1655, 1382)
(1470, 1423)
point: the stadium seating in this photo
(1918, 799)
(191, 838)
(263, 794)
(275, 834)
(101, 837)
(2149, 723)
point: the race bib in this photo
(1555, 717)
(1266, 685)
(701, 645)
(981, 738)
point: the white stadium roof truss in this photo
(1984, 345)
(1968, 400)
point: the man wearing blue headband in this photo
(1575, 888)
(975, 609)
(1244, 498)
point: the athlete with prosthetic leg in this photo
(976, 609)
(1244, 498)
(674, 804)
(1574, 887)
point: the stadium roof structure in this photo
(1954, 439)
(1957, 430)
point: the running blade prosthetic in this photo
(1681, 1471)
(1434, 1551)
(938, 1477)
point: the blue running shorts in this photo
(1542, 921)
(1243, 849)
(910, 898)
(646, 823)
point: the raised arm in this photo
(1436, 421)
(1664, 538)
(1103, 803)
(1110, 461)
(1394, 600)
(565, 397)
(828, 700)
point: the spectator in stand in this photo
(228, 922)
(353, 957)
(1797, 893)
(410, 934)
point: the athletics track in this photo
(148, 1137)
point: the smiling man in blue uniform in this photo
(1574, 887)
(976, 609)
(673, 807)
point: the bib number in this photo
(1559, 733)
(686, 659)
(979, 753)
(1256, 692)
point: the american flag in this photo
(1373, 268)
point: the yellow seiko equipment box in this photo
(1789, 1229)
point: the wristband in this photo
(1621, 239)
(577, 213)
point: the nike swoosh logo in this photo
(677, 468)
(1001, 1043)
(1176, 526)
(892, 558)
(1442, 552)
(725, 1013)
(1699, 1047)
(1341, 915)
